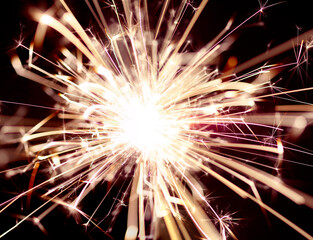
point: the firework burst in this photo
(138, 108)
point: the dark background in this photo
(281, 23)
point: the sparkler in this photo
(138, 104)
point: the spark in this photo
(139, 108)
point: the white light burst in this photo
(132, 100)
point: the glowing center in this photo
(145, 128)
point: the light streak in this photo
(141, 106)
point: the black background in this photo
(281, 23)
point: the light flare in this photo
(138, 105)
(146, 129)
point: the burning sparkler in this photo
(138, 104)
